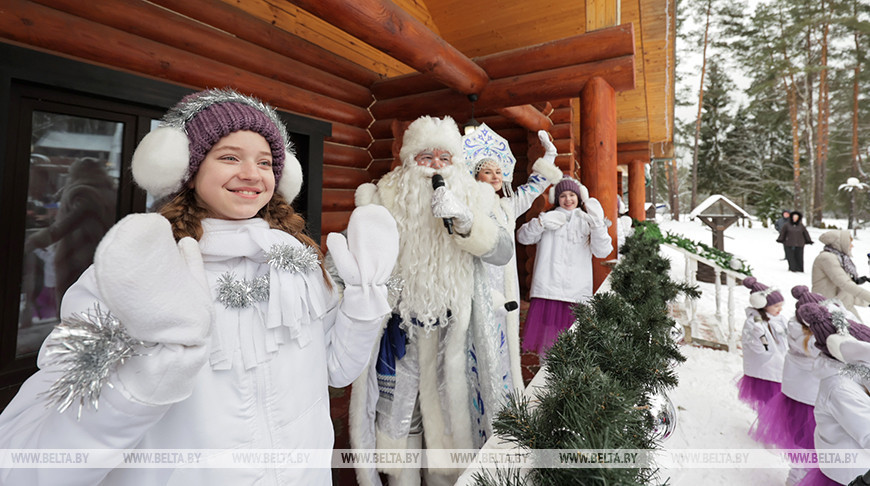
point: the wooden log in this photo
(516, 90)
(598, 155)
(349, 135)
(626, 156)
(633, 146)
(526, 116)
(333, 222)
(160, 25)
(379, 167)
(562, 115)
(585, 48)
(346, 155)
(381, 149)
(385, 26)
(252, 29)
(561, 130)
(338, 200)
(600, 45)
(45, 28)
(514, 135)
(335, 177)
(636, 190)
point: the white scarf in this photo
(295, 299)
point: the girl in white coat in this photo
(764, 345)
(210, 326)
(567, 238)
(842, 410)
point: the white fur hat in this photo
(164, 160)
(427, 133)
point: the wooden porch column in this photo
(598, 157)
(636, 190)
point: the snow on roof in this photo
(713, 200)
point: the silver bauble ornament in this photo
(664, 416)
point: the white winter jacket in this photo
(260, 390)
(563, 261)
(842, 415)
(759, 362)
(798, 381)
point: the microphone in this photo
(438, 181)
(511, 306)
(764, 342)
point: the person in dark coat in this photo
(778, 224)
(794, 236)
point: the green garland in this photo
(720, 257)
(602, 376)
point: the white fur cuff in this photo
(547, 169)
(366, 194)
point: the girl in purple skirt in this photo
(764, 345)
(567, 238)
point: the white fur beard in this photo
(437, 275)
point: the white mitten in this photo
(445, 204)
(157, 290)
(365, 260)
(553, 220)
(594, 209)
(549, 148)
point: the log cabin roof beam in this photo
(535, 87)
(387, 27)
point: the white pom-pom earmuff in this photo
(161, 161)
(758, 300)
(291, 177)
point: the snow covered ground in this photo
(709, 416)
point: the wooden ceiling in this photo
(482, 27)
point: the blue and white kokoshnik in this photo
(483, 144)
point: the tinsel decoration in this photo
(238, 294)
(839, 321)
(88, 347)
(293, 259)
(857, 372)
(395, 284)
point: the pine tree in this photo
(713, 172)
(602, 373)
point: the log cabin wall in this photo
(192, 47)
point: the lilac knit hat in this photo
(169, 156)
(804, 296)
(569, 184)
(761, 295)
(822, 323)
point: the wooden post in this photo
(636, 190)
(598, 157)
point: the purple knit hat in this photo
(804, 296)
(567, 184)
(168, 157)
(822, 323)
(761, 295)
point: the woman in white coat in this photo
(215, 327)
(567, 238)
(842, 410)
(489, 160)
(764, 345)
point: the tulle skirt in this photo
(785, 423)
(545, 320)
(756, 392)
(815, 477)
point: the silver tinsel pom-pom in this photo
(88, 347)
(839, 321)
(238, 294)
(293, 259)
(857, 372)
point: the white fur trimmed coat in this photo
(261, 389)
